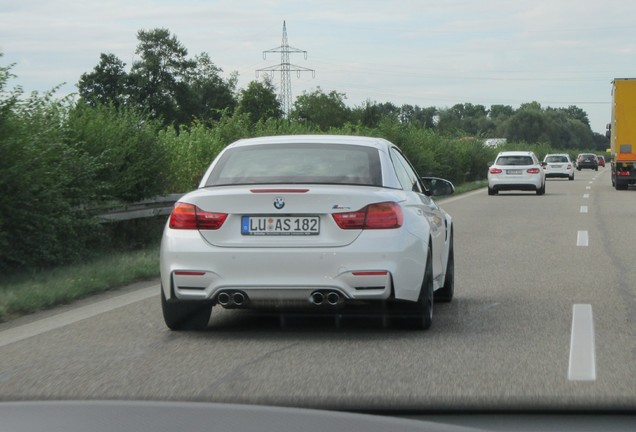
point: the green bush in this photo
(124, 145)
(46, 182)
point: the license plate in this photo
(280, 225)
(555, 166)
(514, 172)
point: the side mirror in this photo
(437, 186)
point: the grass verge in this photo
(471, 186)
(28, 293)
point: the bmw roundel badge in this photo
(279, 203)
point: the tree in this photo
(464, 118)
(107, 84)
(577, 113)
(424, 117)
(204, 94)
(526, 125)
(324, 110)
(500, 113)
(157, 76)
(259, 101)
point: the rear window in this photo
(515, 160)
(553, 159)
(298, 163)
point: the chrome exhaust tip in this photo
(316, 298)
(333, 298)
(223, 299)
(238, 298)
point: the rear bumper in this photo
(379, 265)
(584, 166)
(558, 175)
(506, 184)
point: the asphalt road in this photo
(506, 341)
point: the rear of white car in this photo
(558, 165)
(334, 226)
(516, 170)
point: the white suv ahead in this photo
(558, 165)
(516, 170)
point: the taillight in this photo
(495, 171)
(189, 216)
(385, 215)
(533, 170)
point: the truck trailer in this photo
(622, 133)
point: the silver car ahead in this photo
(309, 223)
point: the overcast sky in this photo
(426, 53)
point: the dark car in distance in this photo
(587, 160)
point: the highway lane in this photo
(504, 342)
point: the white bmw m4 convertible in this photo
(310, 224)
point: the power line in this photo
(285, 68)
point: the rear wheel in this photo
(492, 191)
(572, 176)
(419, 315)
(541, 190)
(185, 315)
(445, 293)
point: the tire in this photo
(492, 191)
(185, 315)
(541, 190)
(571, 177)
(419, 315)
(446, 292)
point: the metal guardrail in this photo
(157, 206)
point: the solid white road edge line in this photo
(458, 197)
(582, 365)
(582, 238)
(35, 328)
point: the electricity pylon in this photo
(285, 68)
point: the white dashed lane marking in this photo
(582, 364)
(582, 238)
(583, 209)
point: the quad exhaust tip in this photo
(238, 298)
(224, 299)
(332, 298)
(317, 298)
(231, 299)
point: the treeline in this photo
(131, 135)
(176, 90)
